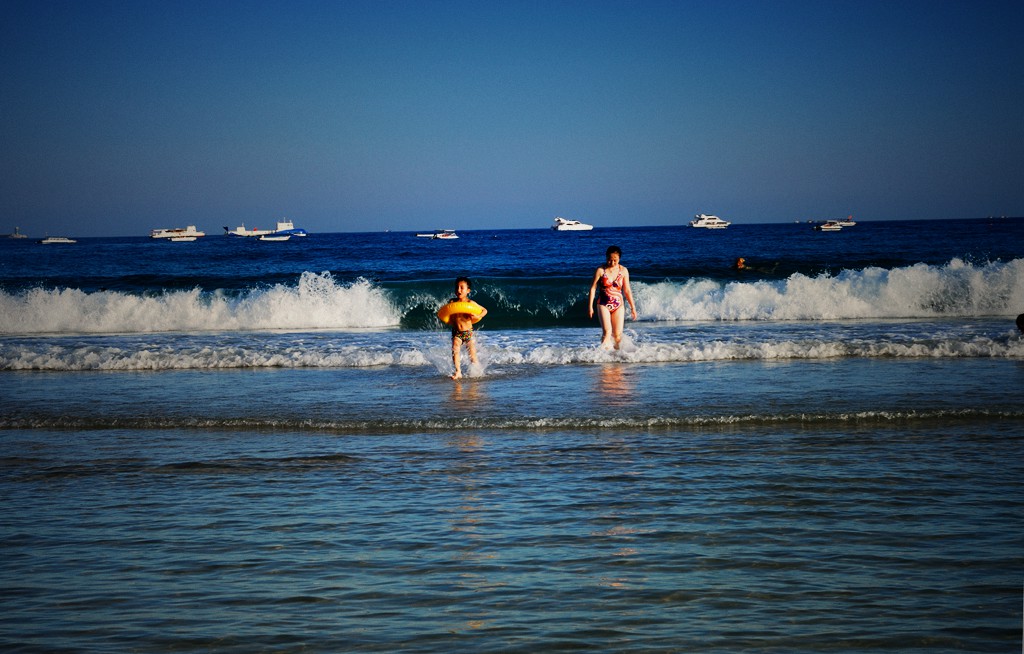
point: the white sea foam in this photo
(958, 289)
(95, 357)
(497, 351)
(316, 302)
(1010, 347)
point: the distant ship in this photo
(177, 233)
(15, 234)
(283, 227)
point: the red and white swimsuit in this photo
(611, 292)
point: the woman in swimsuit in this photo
(611, 284)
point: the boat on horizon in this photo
(275, 237)
(15, 234)
(709, 222)
(54, 240)
(177, 233)
(567, 225)
(284, 226)
(445, 234)
(829, 226)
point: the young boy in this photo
(462, 325)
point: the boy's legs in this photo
(456, 352)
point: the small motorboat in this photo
(446, 234)
(709, 222)
(567, 225)
(846, 222)
(275, 237)
(182, 239)
(829, 226)
(51, 240)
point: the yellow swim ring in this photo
(446, 312)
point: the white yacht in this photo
(566, 225)
(846, 222)
(177, 233)
(709, 222)
(51, 240)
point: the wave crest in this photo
(317, 301)
(958, 289)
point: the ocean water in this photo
(237, 446)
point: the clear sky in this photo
(117, 117)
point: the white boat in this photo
(829, 226)
(286, 227)
(16, 233)
(50, 240)
(566, 225)
(242, 230)
(447, 234)
(709, 222)
(182, 239)
(846, 222)
(177, 233)
(283, 227)
(275, 237)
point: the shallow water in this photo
(613, 506)
(516, 393)
(774, 538)
(230, 448)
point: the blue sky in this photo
(118, 117)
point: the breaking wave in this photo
(315, 302)
(958, 289)
(318, 301)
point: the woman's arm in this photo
(593, 288)
(628, 292)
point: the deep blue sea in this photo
(231, 445)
